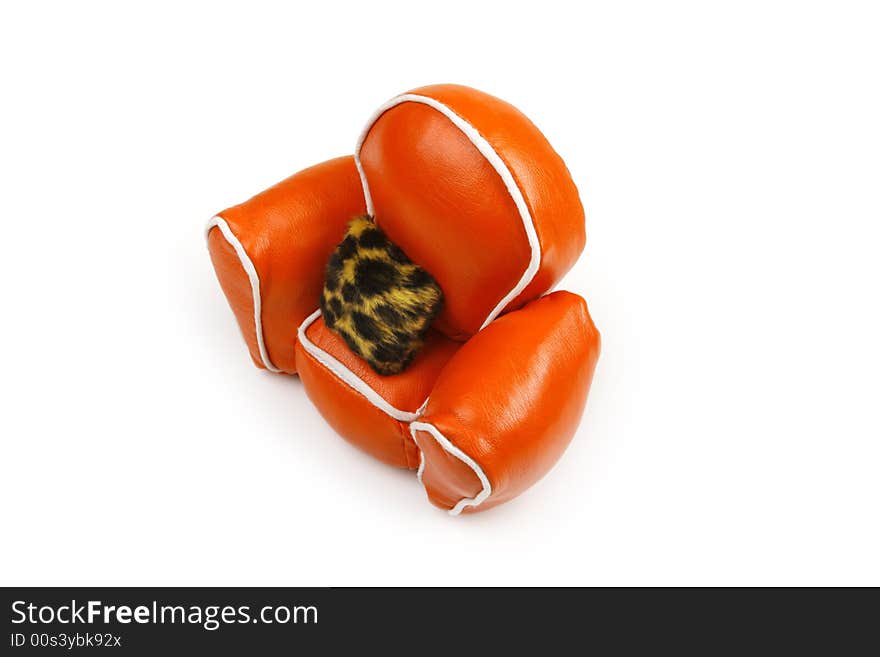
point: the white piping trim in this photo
(251, 271)
(421, 469)
(497, 163)
(350, 378)
(447, 445)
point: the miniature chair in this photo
(464, 218)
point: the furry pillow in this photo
(377, 299)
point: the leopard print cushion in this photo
(377, 299)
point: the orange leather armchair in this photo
(472, 192)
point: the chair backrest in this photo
(472, 191)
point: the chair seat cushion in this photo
(369, 410)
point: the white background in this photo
(728, 155)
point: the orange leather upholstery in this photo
(441, 199)
(379, 426)
(471, 191)
(507, 404)
(287, 232)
